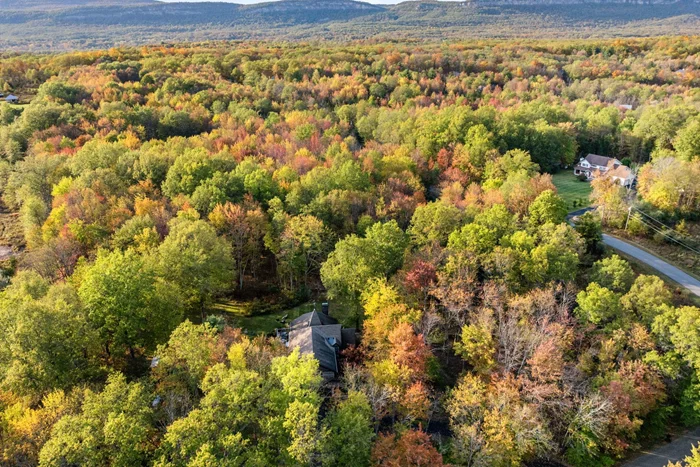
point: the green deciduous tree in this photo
(249, 417)
(598, 305)
(195, 259)
(613, 273)
(589, 227)
(304, 245)
(434, 222)
(349, 432)
(682, 327)
(127, 303)
(190, 170)
(514, 162)
(547, 207)
(473, 238)
(113, 428)
(45, 339)
(181, 365)
(647, 297)
(355, 260)
(477, 344)
(687, 140)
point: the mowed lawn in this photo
(268, 322)
(574, 192)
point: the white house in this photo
(622, 175)
(594, 166)
(12, 99)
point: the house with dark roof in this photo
(319, 334)
(313, 318)
(594, 166)
(323, 342)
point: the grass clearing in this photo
(237, 314)
(572, 190)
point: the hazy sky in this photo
(383, 2)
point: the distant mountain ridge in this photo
(306, 4)
(577, 2)
(69, 3)
(22, 4)
(138, 12)
(64, 24)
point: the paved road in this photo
(686, 280)
(680, 447)
(668, 270)
(674, 451)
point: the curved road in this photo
(674, 451)
(672, 272)
(680, 447)
(668, 270)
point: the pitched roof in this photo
(595, 159)
(621, 171)
(313, 318)
(314, 341)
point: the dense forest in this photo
(410, 185)
(50, 25)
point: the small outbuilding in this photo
(12, 99)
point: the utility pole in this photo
(629, 213)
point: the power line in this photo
(650, 217)
(664, 225)
(670, 237)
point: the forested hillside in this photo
(410, 185)
(49, 25)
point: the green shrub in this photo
(579, 456)
(689, 406)
(635, 226)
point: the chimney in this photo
(324, 308)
